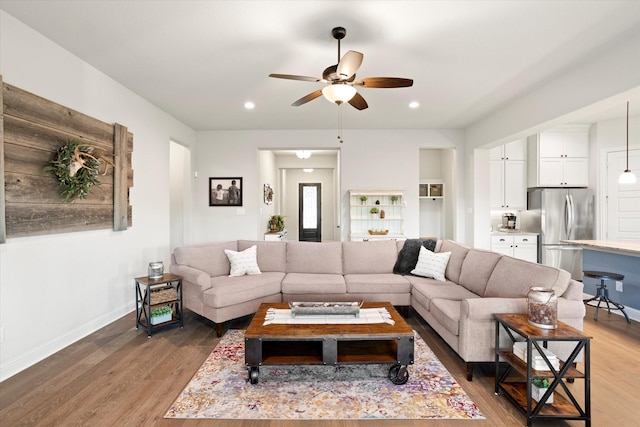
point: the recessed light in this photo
(414, 104)
(249, 105)
(309, 170)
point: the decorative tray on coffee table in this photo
(322, 308)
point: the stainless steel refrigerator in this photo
(558, 214)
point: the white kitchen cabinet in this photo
(507, 176)
(386, 224)
(559, 157)
(521, 246)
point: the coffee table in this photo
(329, 344)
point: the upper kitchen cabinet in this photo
(507, 176)
(559, 157)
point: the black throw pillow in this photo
(408, 255)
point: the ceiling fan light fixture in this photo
(627, 176)
(339, 93)
(303, 154)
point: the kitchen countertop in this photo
(516, 232)
(626, 247)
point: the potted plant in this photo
(161, 314)
(394, 200)
(276, 223)
(539, 388)
(374, 211)
(363, 200)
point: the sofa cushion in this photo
(313, 283)
(369, 257)
(458, 253)
(272, 256)
(426, 290)
(314, 257)
(209, 258)
(431, 265)
(243, 262)
(226, 291)
(377, 283)
(512, 278)
(477, 268)
(408, 255)
(447, 312)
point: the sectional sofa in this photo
(460, 308)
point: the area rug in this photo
(220, 390)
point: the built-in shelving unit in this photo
(387, 224)
(431, 193)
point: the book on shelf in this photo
(520, 350)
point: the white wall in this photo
(370, 159)
(83, 279)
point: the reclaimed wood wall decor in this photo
(31, 130)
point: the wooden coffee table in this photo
(329, 344)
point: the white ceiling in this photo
(202, 60)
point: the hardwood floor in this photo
(119, 377)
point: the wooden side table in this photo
(151, 293)
(519, 391)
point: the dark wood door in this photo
(309, 212)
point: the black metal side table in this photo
(519, 390)
(152, 293)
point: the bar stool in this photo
(602, 293)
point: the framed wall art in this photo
(268, 194)
(225, 191)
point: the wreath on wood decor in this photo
(77, 169)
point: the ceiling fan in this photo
(341, 79)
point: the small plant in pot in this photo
(374, 211)
(276, 223)
(540, 386)
(363, 200)
(161, 314)
(394, 200)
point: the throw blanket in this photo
(367, 316)
(408, 256)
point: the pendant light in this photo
(627, 176)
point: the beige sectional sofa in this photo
(460, 309)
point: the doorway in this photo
(179, 194)
(622, 201)
(310, 212)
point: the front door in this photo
(309, 212)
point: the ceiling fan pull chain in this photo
(340, 125)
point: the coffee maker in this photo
(509, 221)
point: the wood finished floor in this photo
(118, 377)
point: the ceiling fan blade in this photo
(293, 77)
(349, 64)
(383, 82)
(358, 102)
(307, 98)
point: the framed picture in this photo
(225, 191)
(268, 194)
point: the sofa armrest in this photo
(190, 274)
(574, 291)
(485, 308)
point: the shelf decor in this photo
(161, 314)
(539, 387)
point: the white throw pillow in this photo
(244, 262)
(431, 264)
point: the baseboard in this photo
(11, 367)
(631, 312)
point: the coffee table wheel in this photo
(398, 374)
(253, 374)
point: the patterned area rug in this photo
(220, 390)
